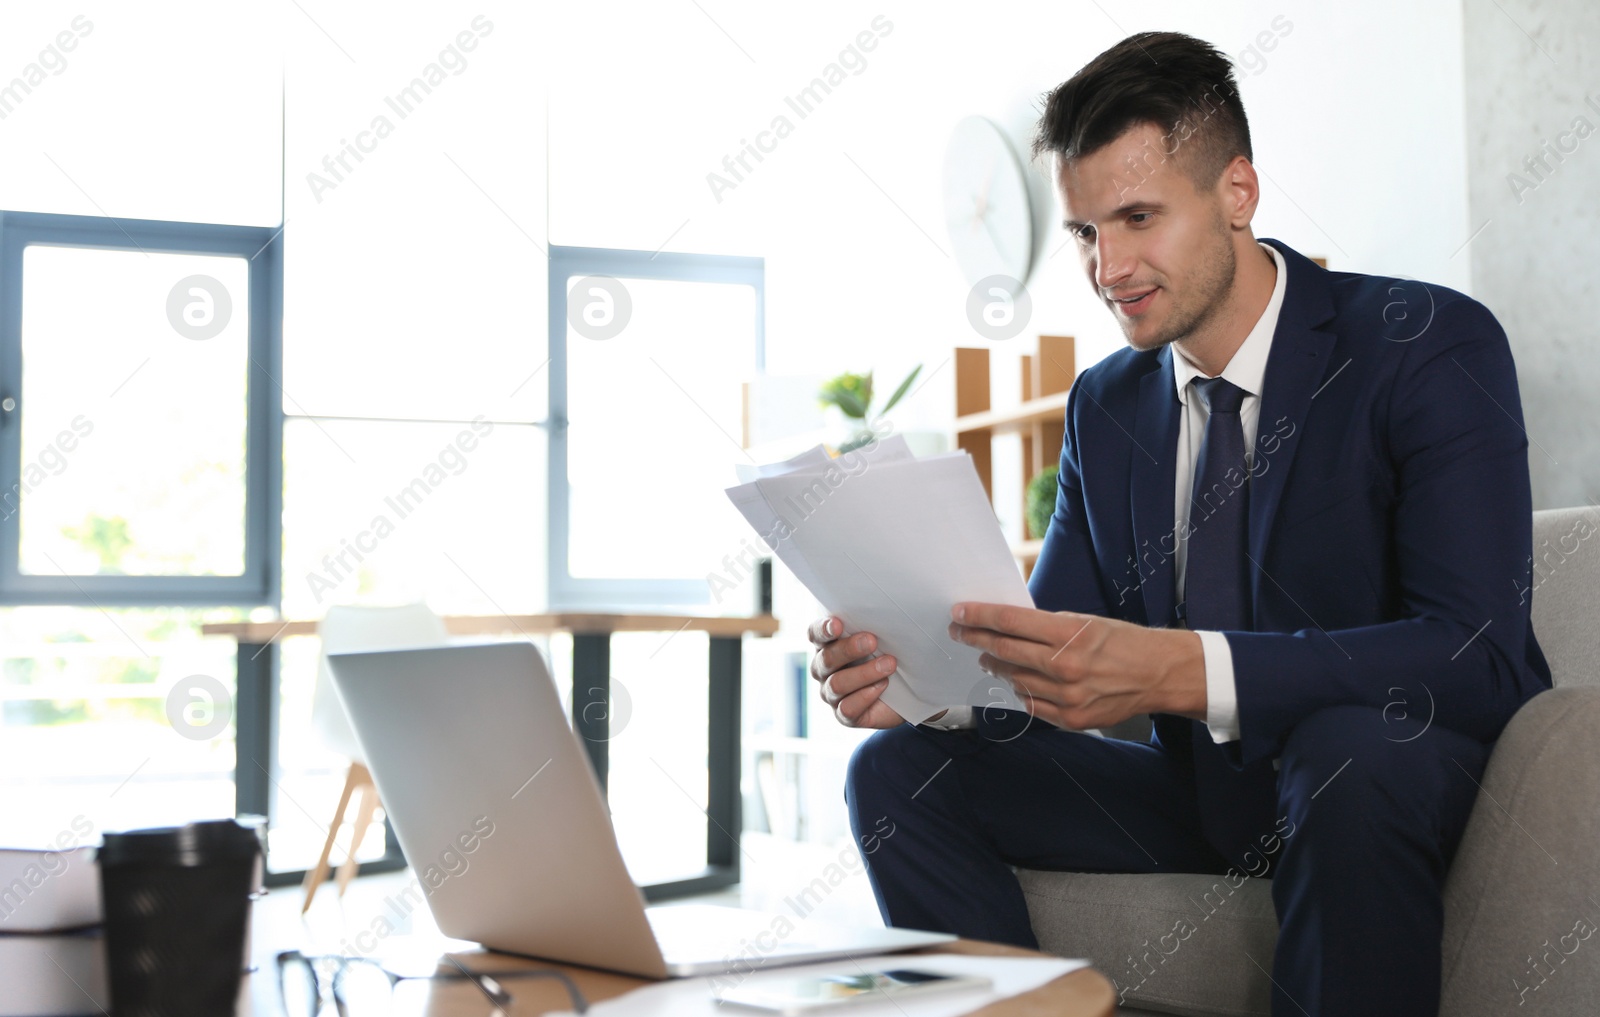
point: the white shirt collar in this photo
(1249, 364)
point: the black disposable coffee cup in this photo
(177, 907)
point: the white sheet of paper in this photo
(752, 503)
(811, 459)
(889, 543)
(694, 997)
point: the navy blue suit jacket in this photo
(1390, 518)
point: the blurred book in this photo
(52, 956)
(48, 890)
(58, 974)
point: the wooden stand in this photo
(358, 779)
(1040, 420)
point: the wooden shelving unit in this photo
(1039, 419)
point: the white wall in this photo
(1357, 120)
(1535, 72)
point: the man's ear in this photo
(1239, 190)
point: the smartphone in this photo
(798, 996)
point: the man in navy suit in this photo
(1293, 525)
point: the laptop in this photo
(498, 811)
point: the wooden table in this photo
(1082, 993)
(257, 709)
(277, 925)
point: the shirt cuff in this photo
(1222, 698)
(955, 719)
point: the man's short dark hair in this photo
(1183, 85)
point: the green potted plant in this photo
(1041, 501)
(852, 393)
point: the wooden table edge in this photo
(1081, 993)
(577, 622)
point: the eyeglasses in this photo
(361, 986)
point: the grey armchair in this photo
(1522, 899)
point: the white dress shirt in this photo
(1246, 369)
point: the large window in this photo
(141, 470)
(647, 355)
(139, 426)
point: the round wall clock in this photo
(986, 204)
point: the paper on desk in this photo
(889, 543)
(693, 997)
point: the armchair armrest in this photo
(1523, 892)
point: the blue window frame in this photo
(567, 264)
(257, 578)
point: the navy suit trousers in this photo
(1369, 812)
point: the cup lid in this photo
(192, 844)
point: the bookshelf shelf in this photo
(1017, 418)
(1039, 419)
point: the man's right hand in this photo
(851, 682)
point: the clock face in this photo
(986, 204)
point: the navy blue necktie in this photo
(1216, 584)
(1236, 806)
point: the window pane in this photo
(133, 412)
(653, 386)
(123, 717)
(391, 512)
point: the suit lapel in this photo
(1152, 484)
(1296, 367)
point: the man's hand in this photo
(851, 683)
(1082, 670)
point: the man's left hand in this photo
(1082, 670)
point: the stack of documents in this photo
(889, 543)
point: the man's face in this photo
(1157, 250)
